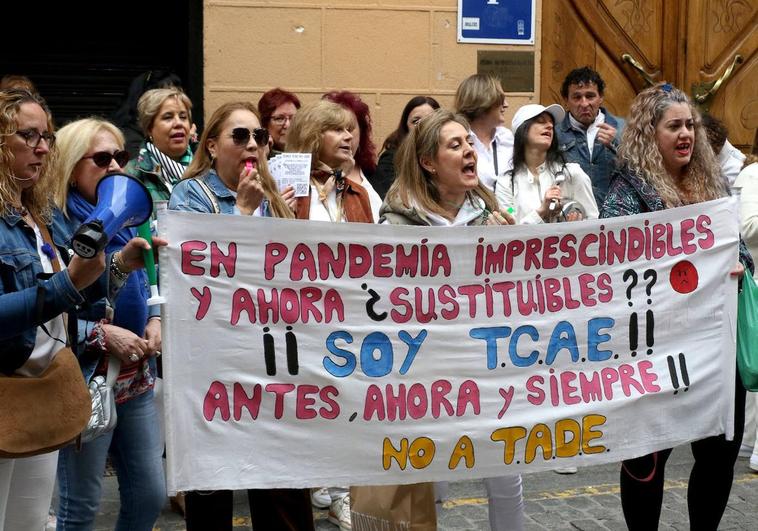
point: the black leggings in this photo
(709, 485)
(270, 509)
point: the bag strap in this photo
(647, 478)
(114, 367)
(494, 156)
(69, 324)
(49, 241)
(209, 193)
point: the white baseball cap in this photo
(528, 112)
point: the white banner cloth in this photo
(309, 354)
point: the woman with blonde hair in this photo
(88, 150)
(437, 178)
(165, 116)
(666, 162)
(481, 99)
(229, 166)
(229, 176)
(437, 185)
(39, 283)
(323, 129)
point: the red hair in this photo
(271, 100)
(366, 155)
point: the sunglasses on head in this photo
(102, 159)
(241, 136)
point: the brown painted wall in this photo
(386, 50)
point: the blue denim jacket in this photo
(573, 145)
(22, 277)
(189, 196)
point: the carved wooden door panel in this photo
(722, 63)
(633, 43)
(598, 33)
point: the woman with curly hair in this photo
(666, 162)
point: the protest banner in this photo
(309, 354)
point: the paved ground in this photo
(586, 501)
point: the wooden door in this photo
(722, 43)
(690, 43)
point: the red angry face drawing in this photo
(683, 277)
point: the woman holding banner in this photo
(229, 176)
(89, 149)
(39, 284)
(542, 187)
(666, 162)
(437, 185)
(325, 130)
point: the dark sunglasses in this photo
(102, 159)
(241, 136)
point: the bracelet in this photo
(96, 338)
(116, 270)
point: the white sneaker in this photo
(320, 498)
(339, 513)
(746, 450)
(754, 462)
(566, 470)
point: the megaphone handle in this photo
(143, 231)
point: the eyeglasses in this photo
(102, 159)
(241, 136)
(279, 119)
(32, 137)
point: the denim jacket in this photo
(22, 279)
(573, 145)
(189, 196)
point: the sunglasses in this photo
(102, 159)
(241, 136)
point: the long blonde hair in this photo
(37, 199)
(74, 140)
(311, 122)
(202, 161)
(413, 184)
(638, 150)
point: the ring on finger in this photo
(134, 357)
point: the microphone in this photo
(558, 181)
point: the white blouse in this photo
(485, 163)
(524, 192)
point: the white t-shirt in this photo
(45, 346)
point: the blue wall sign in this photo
(496, 21)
